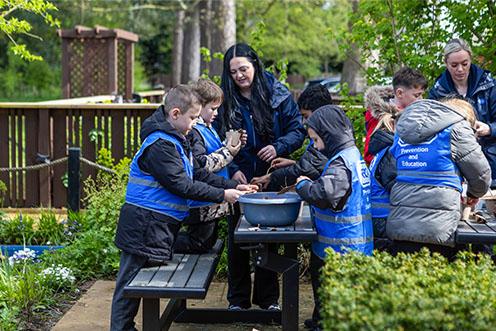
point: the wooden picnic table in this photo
(476, 233)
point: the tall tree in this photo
(177, 54)
(351, 74)
(191, 45)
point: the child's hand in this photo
(281, 162)
(470, 201)
(482, 129)
(240, 177)
(232, 195)
(248, 188)
(302, 178)
(261, 182)
(233, 149)
(267, 154)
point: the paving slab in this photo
(92, 311)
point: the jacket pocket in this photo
(161, 231)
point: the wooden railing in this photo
(31, 130)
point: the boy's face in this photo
(184, 122)
(209, 111)
(405, 96)
(318, 143)
(305, 113)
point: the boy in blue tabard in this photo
(162, 181)
(214, 156)
(339, 198)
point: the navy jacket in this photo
(289, 133)
(481, 93)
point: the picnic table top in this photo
(476, 233)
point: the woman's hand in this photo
(240, 177)
(243, 138)
(281, 162)
(267, 154)
(299, 179)
(248, 188)
(482, 129)
(262, 181)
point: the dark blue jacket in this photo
(481, 93)
(289, 133)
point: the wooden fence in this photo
(28, 130)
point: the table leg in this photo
(290, 291)
(151, 314)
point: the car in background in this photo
(331, 83)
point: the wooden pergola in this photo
(97, 61)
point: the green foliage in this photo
(3, 192)
(297, 30)
(12, 25)
(207, 58)
(394, 33)
(408, 292)
(18, 231)
(352, 106)
(50, 231)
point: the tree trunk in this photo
(206, 27)
(351, 74)
(177, 51)
(229, 23)
(191, 47)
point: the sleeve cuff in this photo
(302, 183)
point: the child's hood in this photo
(334, 127)
(378, 101)
(423, 119)
(157, 121)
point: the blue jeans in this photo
(125, 309)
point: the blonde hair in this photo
(463, 108)
(208, 91)
(386, 122)
(456, 45)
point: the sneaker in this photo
(234, 307)
(274, 307)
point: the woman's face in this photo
(458, 65)
(242, 72)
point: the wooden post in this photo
(112, 66)
(44, 148)
(73, 167)
(66, 70)
(129, 70)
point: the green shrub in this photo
(408, 292)
(3, 192)
(18, 231)
(50, 231)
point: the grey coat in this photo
(430, 214)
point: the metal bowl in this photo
(270, 208)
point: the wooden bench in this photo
(186, 276)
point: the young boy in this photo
(339, 198)
(312, 161)
(161, 182)
(212, 155)
(408, 86)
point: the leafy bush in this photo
(18, 231)
(3, 192)
(408, 292)
(50, 231)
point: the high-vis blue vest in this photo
(144, 191)
(379, 196)
(212, 143)
(427, 163)
(350, 228)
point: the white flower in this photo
(59, 273)
(22, 255)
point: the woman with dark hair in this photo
(255, 101)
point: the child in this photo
(161, 180)
(212, 155)
(312, 161)
(431, 161)
(408, 86)
(339, 198)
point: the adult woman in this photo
(255, 101)
(463, 78)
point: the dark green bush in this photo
(18, 231)
(408, 292)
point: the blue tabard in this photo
(144, 191)
(427, 163)
(212, 143)
(379, 196)
(350, 228)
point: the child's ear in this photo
(399, 92)
(174, 113)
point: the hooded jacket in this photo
(377, 102)
(430, 213)
(481, 93)
(289, 133)
(151, 234)
(386, 169)
(331, 189)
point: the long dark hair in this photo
(260, 94)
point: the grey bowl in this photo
(270, 208)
